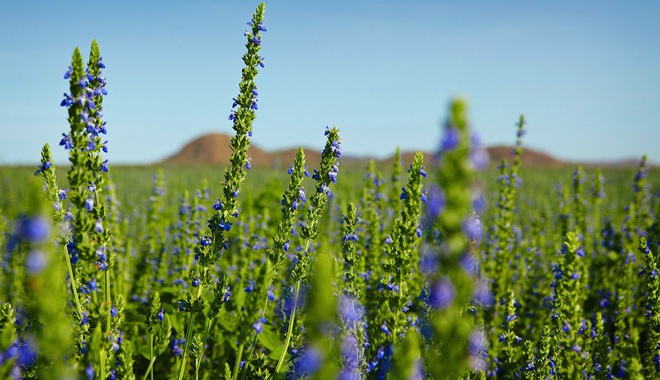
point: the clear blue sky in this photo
(586, 74)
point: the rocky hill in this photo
(214, 149)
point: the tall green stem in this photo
(237, 364)
(188, 337)
(152, 359)
(290, 329)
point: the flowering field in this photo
(453, 269)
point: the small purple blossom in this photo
(441, 294)
(450, 140)
(35, 262)
(258, 326)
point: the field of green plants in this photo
(457, 269)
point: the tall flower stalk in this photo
(226, 209)
(324, 177)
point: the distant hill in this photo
(214, 149)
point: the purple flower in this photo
(309, 362)
(89, 204)
(90, 371)
(92, 284)
(478, 155)
(385, 329)
(66, 141)
(35, 262)
(442, 294)
(350, 309)
(472, 228)
(477, 342)
(66, 102)
(98, 226)
(113, 311)
(479, 203)
(436, 201)
(258, 326)
(450, 139)
(482, 293)
(34, 230)
(250, 287)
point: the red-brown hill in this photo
(214, 149)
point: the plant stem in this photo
(187, 345)
(151, 358)
(290, 329)
(237, 365)
(108, 298)
(188, 337)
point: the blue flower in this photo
(436, 201)
(309, 362)
(250, 287)
(270, 294)
(35, 262)
(350, 309)
(92, 284)
(98, 226)
(89, 371)
(113, 311)
(442, 294)
(258, 326)
(66, 141)
(450, 139)
(34, 230)
(385, 329)
(472, 228)
(225, 226)
(67, 101)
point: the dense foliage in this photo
(453, 269)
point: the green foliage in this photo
(364, 277)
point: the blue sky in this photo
(586, 74)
